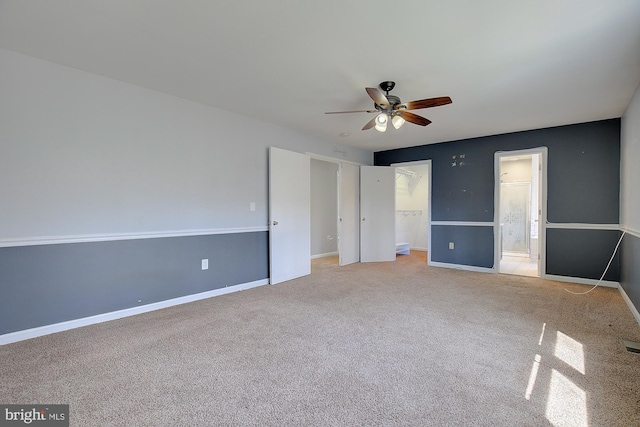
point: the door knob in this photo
(275, 222)
(363, 218)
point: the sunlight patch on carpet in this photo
(570, 352)
(533, 376)
(566, 403)
(544, 326)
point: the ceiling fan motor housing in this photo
(393, 100)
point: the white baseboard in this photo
(105, 317)
(580, 281)
(462, 267)
(632, 307)
(566, 279)
(328, 254)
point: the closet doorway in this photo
(413, 190)
(335, 213)
(324, 210)
(519, 208)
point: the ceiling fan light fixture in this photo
(397, 121)
(381, 122)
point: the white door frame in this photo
(429, 172)
(499, 155)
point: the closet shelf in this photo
(403, 248)
(409, 212)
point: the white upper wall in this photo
(81, 154)
(630, 172)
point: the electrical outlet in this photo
(252, 206)
(205, 264)
(450, 245)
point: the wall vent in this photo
(632, 347)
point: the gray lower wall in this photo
(582, 253)
(473, 245)
(630, 272)
(48, 284)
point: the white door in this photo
(377, 213)
(349, 214)
(289, 215)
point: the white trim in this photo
(412, 163)
(326, 255)
(523, 152)
(105, 317)
(331, 159)
(632, 307)
(631, 231)
(580, 281)
(84, 238)
(462, 267)
(463, 223)
(581, 226)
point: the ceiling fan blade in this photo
(371, 123)
(413, 118)
(378, 97)
(352, 111)
(424, 103)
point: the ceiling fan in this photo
(391, 109)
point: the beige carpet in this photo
(365, 344)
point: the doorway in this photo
(519, 212)
(324, 210)
(412, 207)
(365, 211)
(335, 213)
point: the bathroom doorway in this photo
(519, 210)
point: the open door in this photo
(349, 214)
(377, 212)
(289, 215)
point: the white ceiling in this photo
(508, 65)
